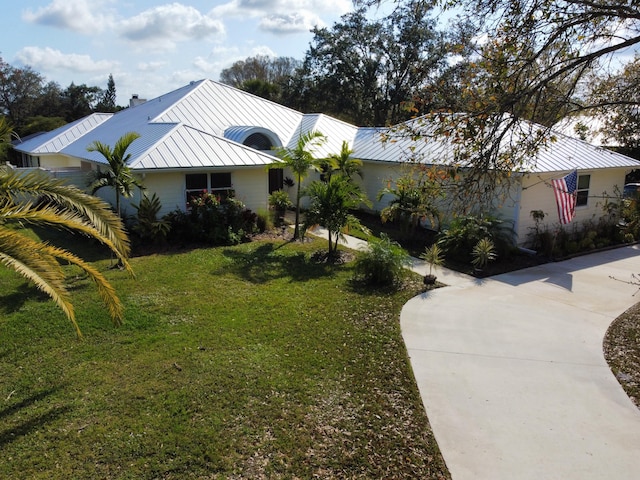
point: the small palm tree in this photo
(415, 200)
(41, 201)
(331, 204)
(344, 164)
(433, 256)
(300, 160)
(119, 176)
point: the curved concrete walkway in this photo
(512, 374)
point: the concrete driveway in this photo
(512, 374)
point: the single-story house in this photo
(210, 136)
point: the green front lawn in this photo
(234, 362)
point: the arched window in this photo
(258, 141)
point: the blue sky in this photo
(151, 46)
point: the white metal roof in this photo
(214, 107)
(561, 153)
(56, 140)
(187, 147)
(186, 128)
(568, 153)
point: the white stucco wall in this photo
(377, 176)
(250, 185)
(57, 161)
(537, 194)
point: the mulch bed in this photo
(622, 351)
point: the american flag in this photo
(565, 191)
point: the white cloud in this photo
(163, 26)
(151, 66)
(48, 60)
(80, 16)
(290, 23)
(284, 16)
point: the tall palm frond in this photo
(38, 200)
(89, 211)
(5, 130)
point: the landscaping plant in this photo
(148, 226)
(433, 255)
(483, 253)
(382, 263)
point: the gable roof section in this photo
(214, 107)
(187, 147)
(567, 153)
(55, 140)
(110, 132)
(335, 130)
(393, 144)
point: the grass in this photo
(239, 362)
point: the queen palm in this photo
(331, 204)
(300, 159)
(119, 176)
(38, 200)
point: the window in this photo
(218, 183)
(259, 141)
(583, 190)
(196, 184)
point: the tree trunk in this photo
(296, 228)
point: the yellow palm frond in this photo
(105, 290)
(39, 200)
(58, 218)
(17, 189)
(30, 260)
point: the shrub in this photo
(483, 253)
(213, 220)
(464, 233)
(264, 220)
(147, 225)
(382, 263)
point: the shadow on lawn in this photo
(12, 302)
(266, 263)
(29, 423)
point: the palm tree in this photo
(119, 175)
(344, 164)
(299, 160)
(38, 200)
(331, 204)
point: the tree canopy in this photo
(261, 75)
(533, 61)
(26, 100)
(371, 72)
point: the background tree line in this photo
(31, 104)
(533, 60)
